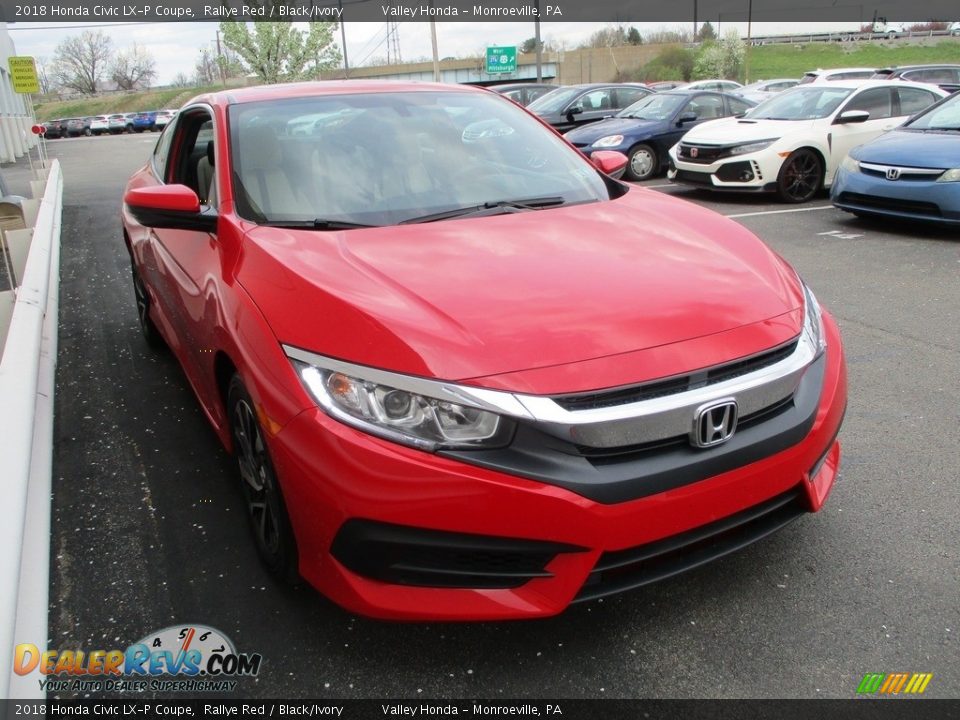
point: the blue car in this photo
(646, 130)
(912, 172)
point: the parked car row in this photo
(790, 137)
(115, 124)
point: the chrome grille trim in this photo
(670, 416)
(904, 171)
(649, 420)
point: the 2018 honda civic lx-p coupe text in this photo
(464, 372)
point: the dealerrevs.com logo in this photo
(180, 658)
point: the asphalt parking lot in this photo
(149, 526)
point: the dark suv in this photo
(74, 127)
(946, 76)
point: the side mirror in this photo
(575, 110)
(175, 207)
(852, 116)
(686, 117)
(611, 162)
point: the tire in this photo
(147, 328)
(800, 177)
(642, 162)
(129, 128)
(266, 510)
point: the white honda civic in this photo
(793, 143)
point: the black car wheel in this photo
(149, 330)
(642, 162)
(261, 491)
(801, 176)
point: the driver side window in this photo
(192, 157)
(876, 101)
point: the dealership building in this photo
(15, 113)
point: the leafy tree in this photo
(133, 68)
(530, 45)
(721, 60)
(279, 52)
(672, 63)
(707, 32)
(80, 61)
(634, 37)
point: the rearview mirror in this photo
(852, 116)
(686, 117)
(611, 162)
(174, 207)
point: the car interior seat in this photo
(261, 171)
(206, 184)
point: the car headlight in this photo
(405, 409)
(850, 165)
(752, 147)
(813, 320)
(950, 176)
(609, 141)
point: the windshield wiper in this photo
(486, 208)
(318, 224)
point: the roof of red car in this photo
(321, 87)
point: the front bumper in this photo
(354, 499)
(924, 200)
(755, 172)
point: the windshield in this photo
(806, 103)
(387, 158)
(553, 101)
(942, 117)
(654, 107)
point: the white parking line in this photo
(660, 186)
(780, 212)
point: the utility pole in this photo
(343, 42)
(746, 60)
(536, 39)
(223, 73)
(433, 42)
(694, 38)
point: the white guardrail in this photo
(26, 445)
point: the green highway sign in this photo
(501, 59)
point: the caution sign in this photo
(23, 72)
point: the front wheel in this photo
(801, 176)
(261, 491)
(147, 328)
(642, 163)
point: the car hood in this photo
(735, 130)
(912, 148)
(613, 126)
(477, 297)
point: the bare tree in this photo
(133, 68)
(181, 80)
(80, 61)
(43, 76)
(210, 69)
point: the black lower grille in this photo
(916, 207)
(623, 570)
(695, 178)
(432, 558)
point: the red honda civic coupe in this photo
(465, 373)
